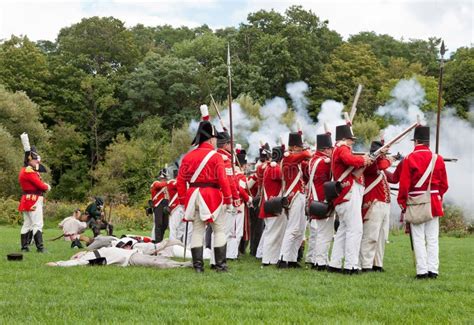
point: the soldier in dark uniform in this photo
(95, 220)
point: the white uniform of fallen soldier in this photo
(175, 250)
(127, 251)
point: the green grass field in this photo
(34, 293)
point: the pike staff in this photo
(442, 50)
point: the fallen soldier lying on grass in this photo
(176, 250)
(124, 253)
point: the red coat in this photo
(158, 192)
(229, 172)
(342, 158)
(414, 165)
(321, 175)
(215, 189)
(260, 171)
(381, 191)
(253, 186)
(173, 194)
(293, 165)
(32, 186)
(241, 182)
(394, 178)
(272, 184)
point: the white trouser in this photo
(324, 234)
(425, 244)
(33, 220)
(310, 255)
(234, 232)
(349, 234)
(218, 228)
(178, 227)
(272, 238)
(259, 252)
(374, 233)
(295, 228)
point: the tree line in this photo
(108, 105)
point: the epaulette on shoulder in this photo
(224, 157)
(29, 169)
(273, 164)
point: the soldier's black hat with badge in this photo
(323, 141)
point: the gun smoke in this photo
(276, 119)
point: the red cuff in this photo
(227, 200)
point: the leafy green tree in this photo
(399, 68)
(131, 165)
(459, 80)
(19, 114)
(11, 160)
(105, 43)
(23, 66)
(350, 65)
(166, 86)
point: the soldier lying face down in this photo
(124, 253)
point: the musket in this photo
(382, 149)
(354, 103)
(440, 92)
(218, 113)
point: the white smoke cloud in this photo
(270, 127)
(456, 141)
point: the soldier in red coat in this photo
(204, 190)
(31, 203)
(425, 235)
(348, 203)
(160, 197)
(293, 187)
(237, 221)
(321, 230)
(275, 225)
(375, 213)
(256, 224)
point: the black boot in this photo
(282, 264)
(300, 253)
(76, 243)
(294, 265)
(29, 237)
(220, 257)
(110, 229)
(198, 262)
(38, 236)
(24, 242)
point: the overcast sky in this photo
(451, 20)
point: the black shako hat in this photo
(295, 139)
(163, 173)
(223, 138)
(344, 132)
(277, 153)
(422, 133)
(323, 141)
(205, 132)
(242, 157)
(375, 145)
(264, 151)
